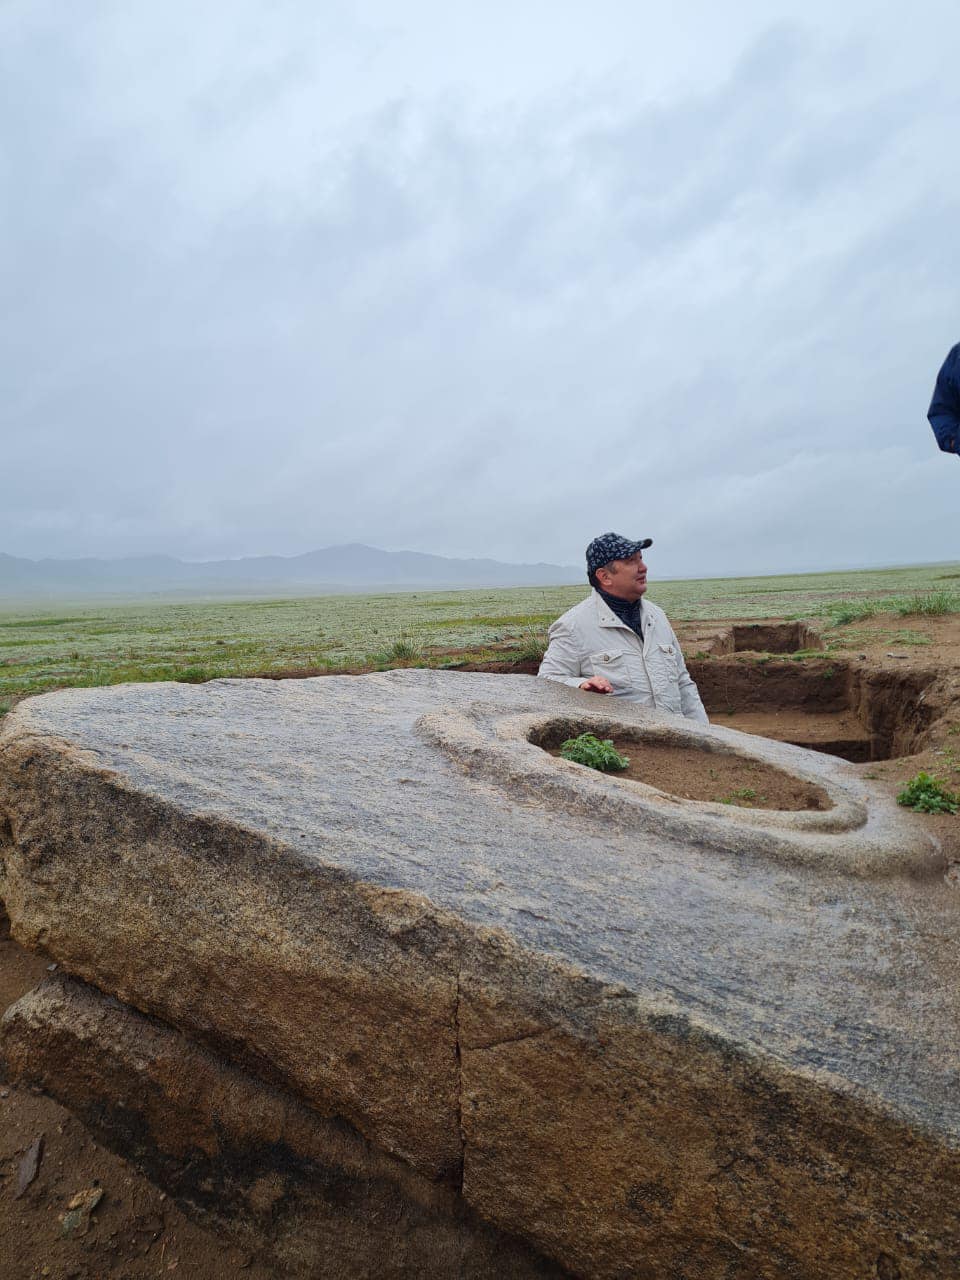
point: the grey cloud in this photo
(472, 329)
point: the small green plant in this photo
(594, 753)
(742, 794)
(949, 759)
(927, 794)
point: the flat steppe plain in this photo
(56, 644)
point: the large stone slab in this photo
(652, 1037)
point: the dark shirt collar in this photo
(629, 612)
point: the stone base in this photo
(252, 1160)
(652, 1038)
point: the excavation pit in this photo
(768, 637)
(700, 773)
(828, 704)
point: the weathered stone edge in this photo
(309, 1192)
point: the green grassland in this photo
(57, 645)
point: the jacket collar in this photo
(605, 615)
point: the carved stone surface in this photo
(651, 1037)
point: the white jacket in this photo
(590, 640)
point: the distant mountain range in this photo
(353, 567)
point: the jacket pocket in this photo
(613, 665)
(606, 659)
(668, 661)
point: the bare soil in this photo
(693, 774)
(134, 1231)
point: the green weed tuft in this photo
(927, 794)
(404, 649)
(594, 753)
(743, 795)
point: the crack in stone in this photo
(459, 1070)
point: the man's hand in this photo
(597, 684)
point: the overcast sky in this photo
(481, 280)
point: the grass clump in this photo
(195, 675)
(595, 753)
(531, 646)
(927, 794)
(928, 604)
(908, 637)
(403, 649)
(842, 612)
(922, 604)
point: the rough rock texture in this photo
(653, 1038)
(309, 1192)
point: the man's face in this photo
(625, 579)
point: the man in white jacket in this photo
(616, 644)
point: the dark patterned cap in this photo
(613, 546)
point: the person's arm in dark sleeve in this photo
(944, 411)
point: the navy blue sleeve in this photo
(944, 411)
